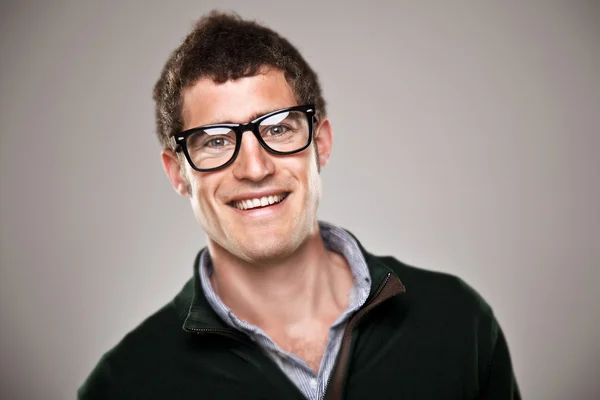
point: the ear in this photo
(324, 140)
(174, 172)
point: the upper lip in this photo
(257, 195)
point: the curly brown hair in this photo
(223, 47)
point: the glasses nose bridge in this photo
(243, 128)
(253, 153)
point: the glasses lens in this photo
(286, 131)
(211, 147)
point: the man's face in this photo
(264, 233)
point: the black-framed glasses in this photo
(215, 146)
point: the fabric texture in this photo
(420, 335)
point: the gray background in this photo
(466, 141)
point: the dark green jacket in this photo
(420, 335)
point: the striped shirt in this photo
(310, 384)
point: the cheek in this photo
(315, 185)
(199, 189)
(203, 208)
(311, 177)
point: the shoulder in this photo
(444, 303)
(147, 347)
(440, 292)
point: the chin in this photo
(265, 241)
(266, 250)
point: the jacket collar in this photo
(197, 314)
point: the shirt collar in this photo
(198, 314)
(335, 239)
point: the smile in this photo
(264, 201)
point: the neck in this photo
(310, 285)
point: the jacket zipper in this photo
(339, 369)
(379, 289)
(344, 348)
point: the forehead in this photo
(239, 101)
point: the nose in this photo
(253, 162)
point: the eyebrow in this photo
(253, 117)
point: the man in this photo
(282, 306)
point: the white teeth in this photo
(262, 202)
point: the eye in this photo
(277, 130)
(217, 142)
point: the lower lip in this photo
(262, 211)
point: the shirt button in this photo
(313, 383)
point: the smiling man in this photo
(282, 306)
